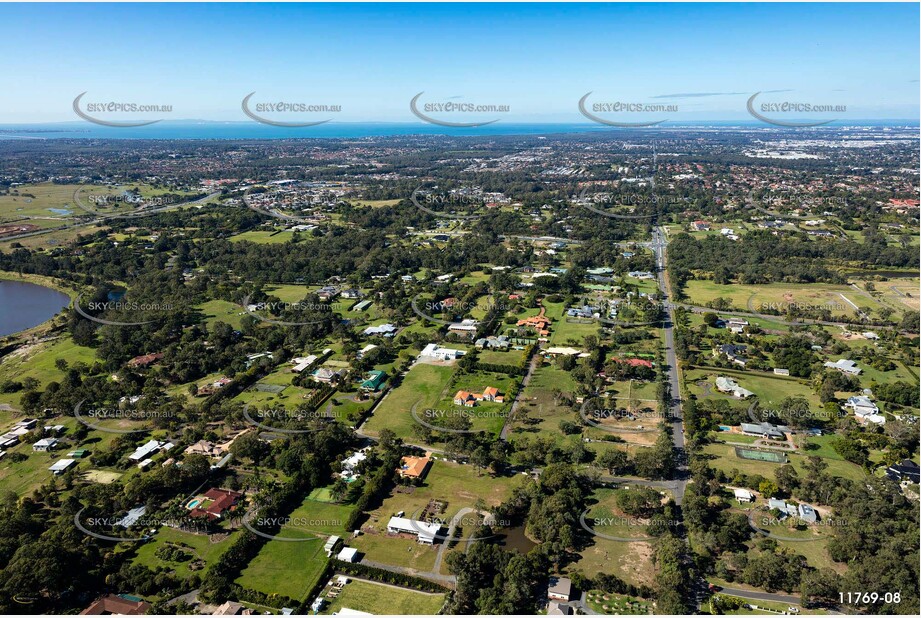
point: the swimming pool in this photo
(193, 503)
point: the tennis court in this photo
(747, 453)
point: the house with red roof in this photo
(214, 503)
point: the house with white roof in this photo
(728, 385)
(861, 405)
(44, 445)
(61, 466)
(146, 450)
(743, 495)
(845, 366)
(433, 350)
(425, 533)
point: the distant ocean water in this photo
(254, 130)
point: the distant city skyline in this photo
(698, 62)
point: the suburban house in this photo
(232, 608)
(803, 511)
(584, 311)
(112, 604)
(145, 450)
(467, 399)
(555, 608)
(327, 293)
(424, 532)
(743, 495)
(221, 501)
(765, 430)
(204, 447)
(144, 360)
(728, 385)
(352, 293)
(493, 343)
(374, 381)
(560, 589)
(327, 376)
(641, 274)
(861, 405)
(539, 322)
(807, 513)
(465, 328)
(414, 467)
(907, 470)
(303, 362)
(783, 507)
(61, 466)
(844, 365)
(45, 444)
(383, 330)
(735, 353)
(433, 350)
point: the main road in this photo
(659, 245)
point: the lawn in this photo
(769, 389)
(726, 460)
(202, 547)
(222, 311)
(382, 599)
(424, 384)
(288, 568)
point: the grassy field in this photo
(264, 237)
(424, 384)
(377, 204)
(769, 389)
(781, 295)
(202, 547)
(379, 599)
(38, 201)
(288, 568)
(725, 459)
(539, 411)
(631, 561)
(222, 311)
(38, 361)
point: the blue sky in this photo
(538, 59)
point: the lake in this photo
(24, 305)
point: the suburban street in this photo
(659, 244)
